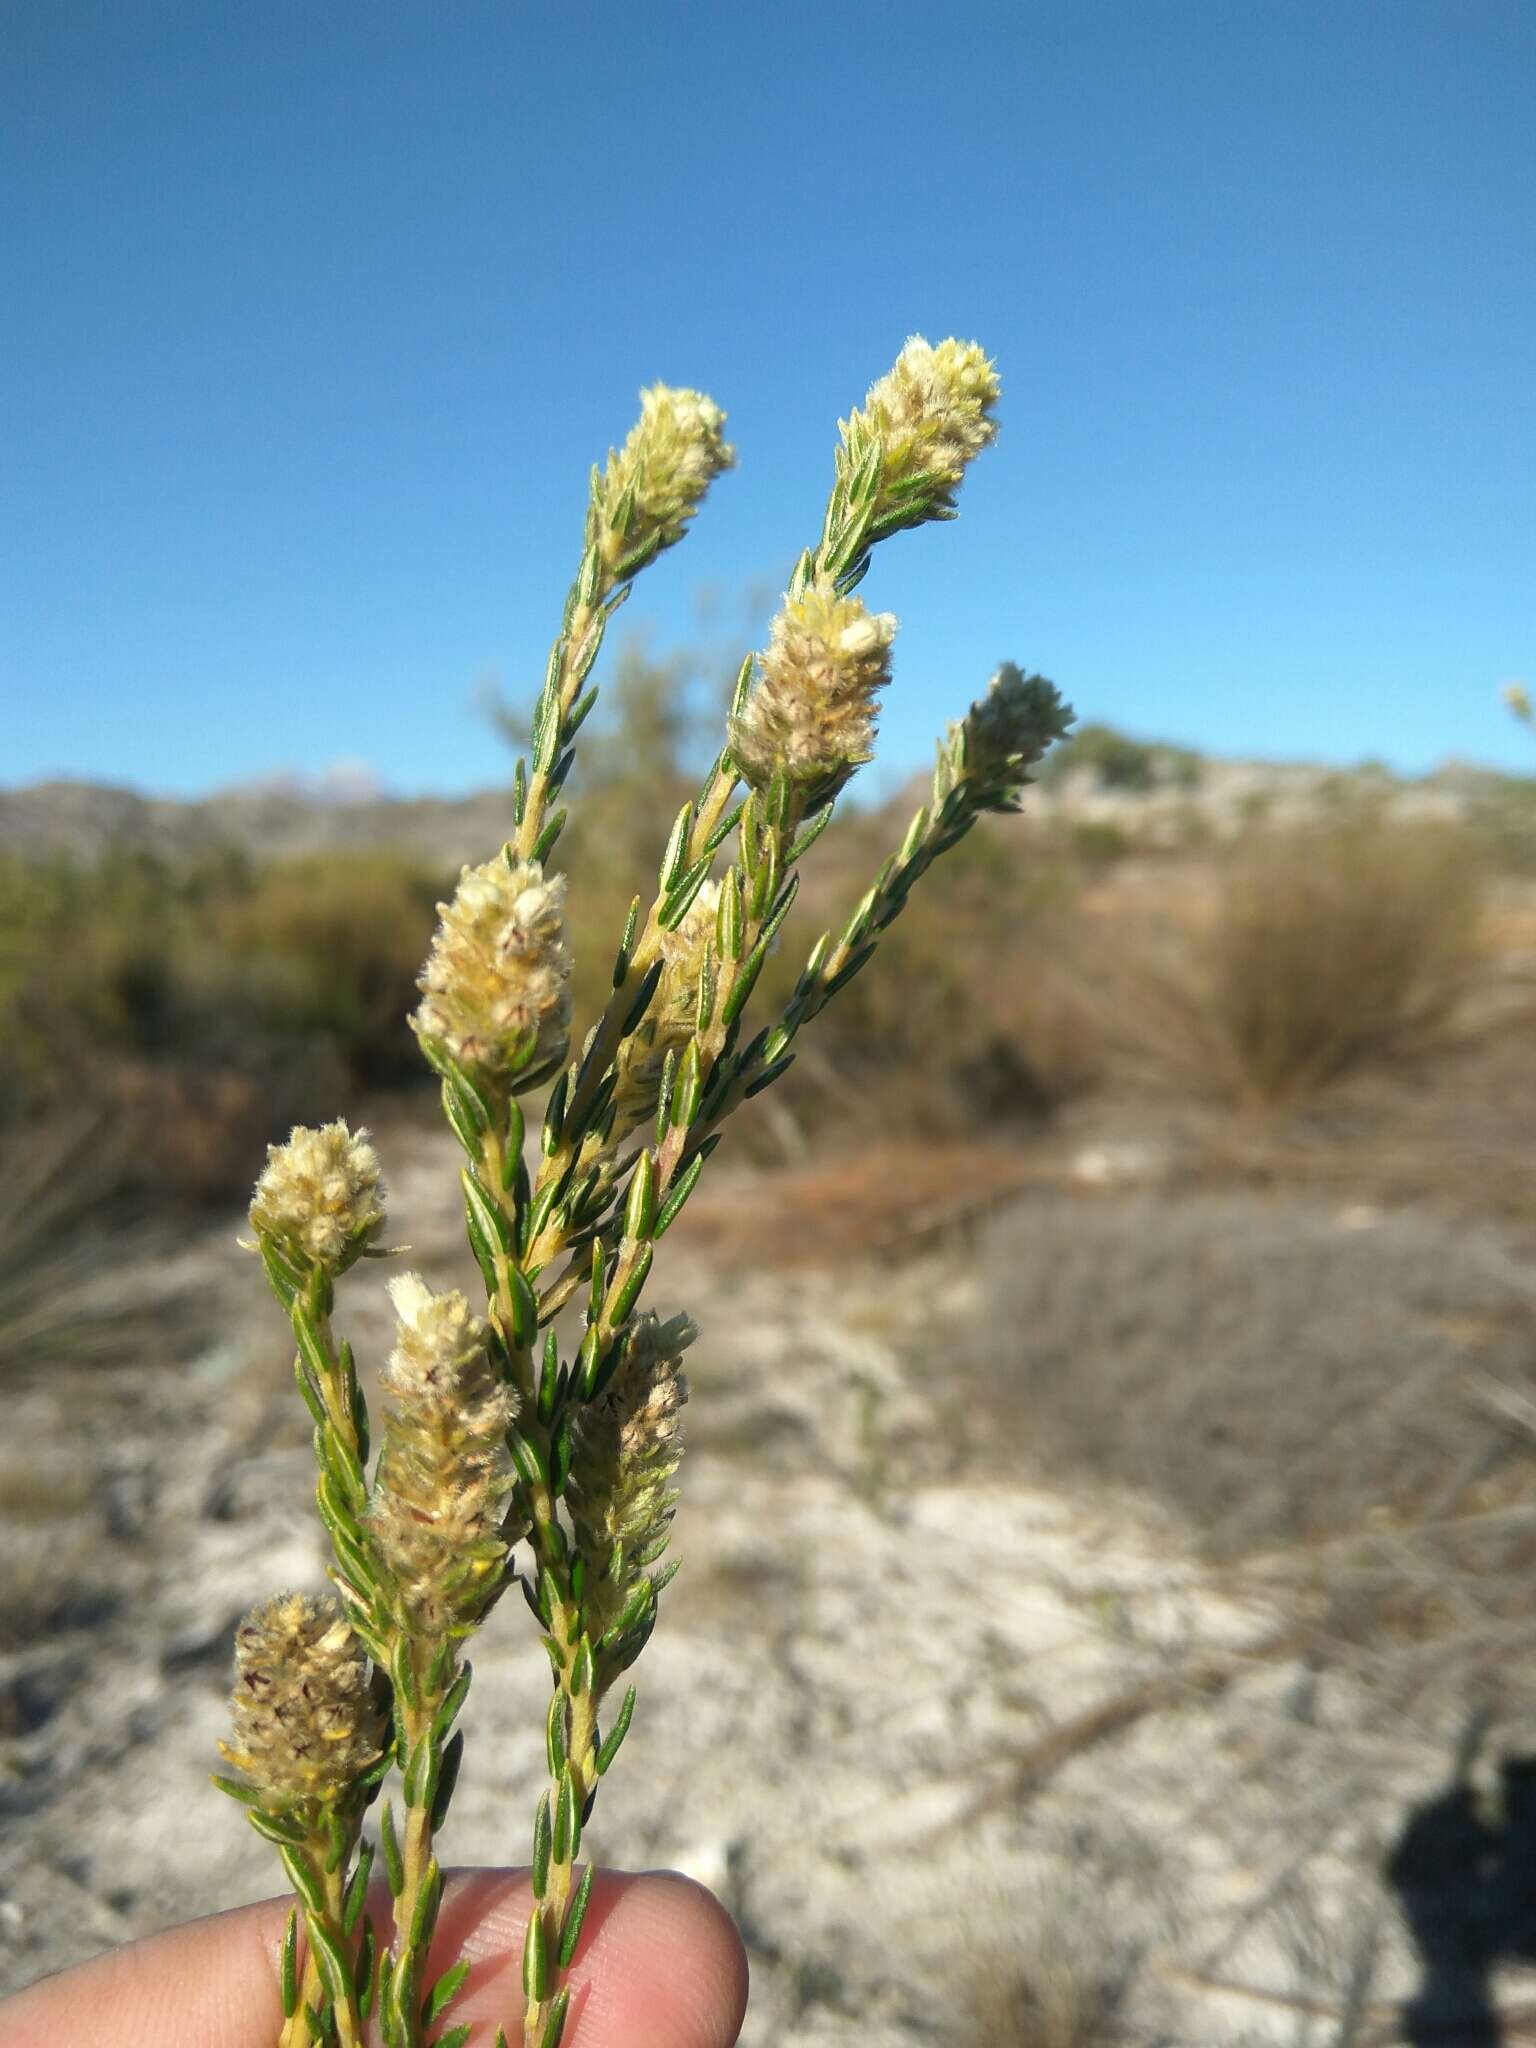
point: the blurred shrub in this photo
(1114, 760)
(198, 1008)
(329, 949)
(1097, 842)
(194, 1127)
(91, 965)
(63, 1245)
(1062, 1962)
(1053, 2000)
(1324, 950)
(1504, 817)
(979, 963)
(1277, 1379)
(1355, 1406)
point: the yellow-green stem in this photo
(557, 1890)
(709, 810)
(417, 1863)
(336, 1396)
(350, 2031)
(349, 2022)
(583, 619)
(296, 2032)
(564, 1618)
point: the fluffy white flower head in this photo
(811, 713)
(305, 1722)
(934, 406)
(654, 484)
(921, 424)
(436, 1522)
(441, 1341)
(320, 1196)
(495, 995)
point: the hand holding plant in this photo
(503, 1460)
(662, 1967)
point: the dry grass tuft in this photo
(1051, 2006)
(1054, 1973)
(63, 1247)
(1276, 1373)
(1321, 952)
(1344, 1401)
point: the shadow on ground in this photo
(1462, 1869)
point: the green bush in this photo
(1116, 761)
(976, 966)
(192, 1004)
(93, 965)
(330, 950)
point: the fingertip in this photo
(213, 1980)
(659, 1965)
(668, 1969)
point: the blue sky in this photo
(314, 317)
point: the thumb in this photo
(660, 1966)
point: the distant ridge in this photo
(85, 820)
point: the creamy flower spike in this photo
(320, 1196)
(306, 1724)
(495, 995)
(669, 1022)
(436, 1523)
(654, 484)
(1007, 731)
(811, 712)
(932, 413)
(625, 1448)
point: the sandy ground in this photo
(927, 1728)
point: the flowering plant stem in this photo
(494, 1439)
(329, 1998)
(419, 1875)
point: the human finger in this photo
(660, 1966)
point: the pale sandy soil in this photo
(922, 1722)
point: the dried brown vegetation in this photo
(1314, 953)
(66, 1240)
(1279, 1373)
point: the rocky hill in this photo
(83, 820)
(1150, 794)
